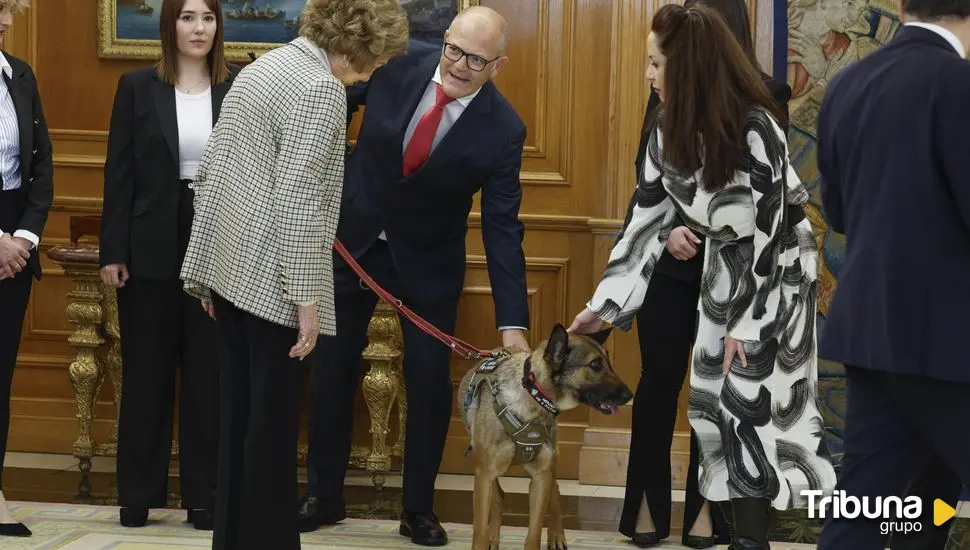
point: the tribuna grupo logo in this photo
(897, 515)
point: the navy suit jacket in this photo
(425, 215)
(894, 157)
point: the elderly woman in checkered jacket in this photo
(267, 202)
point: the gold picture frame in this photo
(113, 46)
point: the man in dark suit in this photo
(892, 154)
(436, 131)
(26, 194)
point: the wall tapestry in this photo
(824, 36)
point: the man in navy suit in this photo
(436, 131)
(893, 155)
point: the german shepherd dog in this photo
(509, 405)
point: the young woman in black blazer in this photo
(665, 329)
(26, 193)
(160, 123)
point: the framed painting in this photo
(128, 29)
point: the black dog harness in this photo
(528, 436)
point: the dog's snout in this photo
(625, 394)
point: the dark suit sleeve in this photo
(502, 233)
(356, 98)
(953, 141)
(41, 194)
(827, 169)
(119, 174)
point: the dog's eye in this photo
(596, 365)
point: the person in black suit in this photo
(160, 123)
(26, 194)
(665, 329)
(893, 168)
(436, 131)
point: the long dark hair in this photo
(735, 14)
(710, 85)
(167, 66)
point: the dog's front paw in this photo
(556, 540)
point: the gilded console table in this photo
(93, 308)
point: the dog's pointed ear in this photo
(557, 347)
(601, 336)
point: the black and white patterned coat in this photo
(759, 427)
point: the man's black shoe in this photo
(203, 520)
(423, 529)
(315, 512)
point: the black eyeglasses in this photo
(475, 62)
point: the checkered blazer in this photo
(267, 193)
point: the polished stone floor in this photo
(54, 479)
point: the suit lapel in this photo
(414, 88)
(164, 96)
(20, 93)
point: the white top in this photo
(195, 124)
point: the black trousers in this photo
(665, 328)
(163, 329)
(14, 296)
(259, 413)
(936, 481)
(335, 379)
(894, 425)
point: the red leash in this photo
(462, 348)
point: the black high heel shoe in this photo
(14, 530)
(645, 540)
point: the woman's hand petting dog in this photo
(682, 243)
(586, 322)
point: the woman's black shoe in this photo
(14, 530)
(134, 517)
(699, 543)
(646, 540)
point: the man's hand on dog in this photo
(586, 322)
(515, 338)
(682, 243)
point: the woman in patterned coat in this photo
(718, 159)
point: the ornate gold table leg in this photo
(112, 363)
(381, 385)
(86, 373)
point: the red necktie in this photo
(420, 145)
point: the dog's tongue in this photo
(609, 409)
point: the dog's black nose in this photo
(625, 395)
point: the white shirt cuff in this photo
(511, 328)
(24, 234)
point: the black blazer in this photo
(139, 223)
(894, 159)
(690, 270)
(425, 215)
(36, 166)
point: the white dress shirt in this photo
(949, 36)
(10, 144)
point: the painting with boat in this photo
(129, 28)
